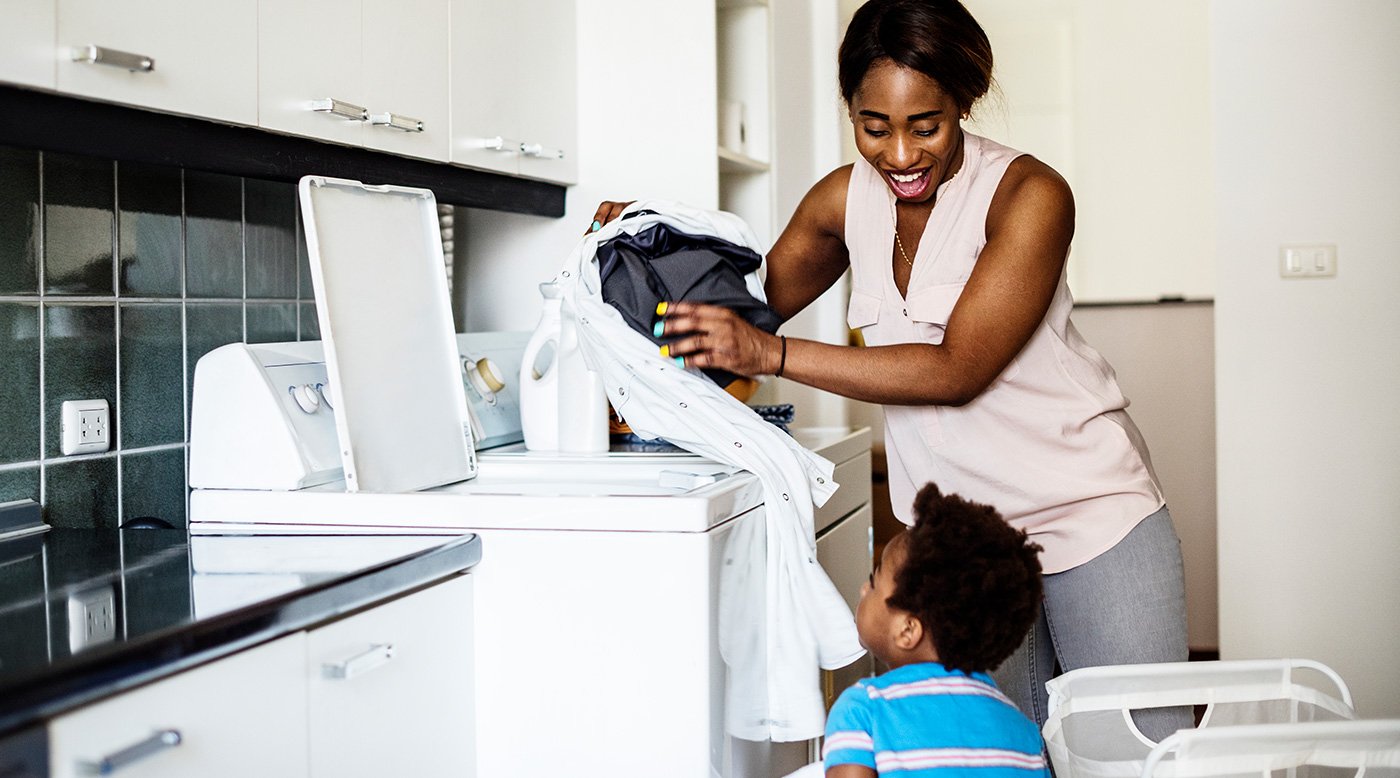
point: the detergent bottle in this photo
(539, 377)
(563, 406)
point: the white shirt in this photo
(805, 624)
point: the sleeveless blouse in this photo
(1048, 443)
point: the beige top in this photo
(1048, 443)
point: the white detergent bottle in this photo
(583, 403)
(539, 377)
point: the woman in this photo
(957, 248)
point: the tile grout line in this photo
(185, 343)
(114, 421)
(43, 350)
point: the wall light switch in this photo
(87, 427)
(1310, 261)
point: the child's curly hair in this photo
(970, 578)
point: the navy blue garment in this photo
(663, 264)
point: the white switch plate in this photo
(87, 427)
(1310, 261)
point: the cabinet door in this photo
(843, 551)
(309, 59)
(27, 43)
(486, 42)
(546, 89)
(391, 689)
(202, 55)
(405, 67)
(238, 717)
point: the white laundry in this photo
(773, 691)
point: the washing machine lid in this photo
(386, 323)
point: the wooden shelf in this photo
(734, 162)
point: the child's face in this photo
(876, 622)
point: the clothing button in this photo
(906, 312)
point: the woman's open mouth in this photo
(909, 186)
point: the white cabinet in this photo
(514, 87)
(241, 716)
(743, 31)
(27, 43)
(370, 73)
(401, 674)
(387, 691)
(196, 57)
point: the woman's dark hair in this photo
(970, 578)
(938, 38)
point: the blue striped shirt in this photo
(926, 720)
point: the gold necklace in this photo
(894, 214)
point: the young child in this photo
(951, 598)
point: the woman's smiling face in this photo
(908, 128)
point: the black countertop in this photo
(163, 602)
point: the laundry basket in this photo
(1091, 734)
(1306, 750)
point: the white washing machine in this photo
(602, 587)
(619, 598)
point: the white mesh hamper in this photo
(1090, 732)
(1323, 749)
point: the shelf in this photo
(734, 162)
(724, 5)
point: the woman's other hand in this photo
(708, 336)
(607, 211)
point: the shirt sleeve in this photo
(848, 731)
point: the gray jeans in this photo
(1125, 606)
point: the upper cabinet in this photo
(481, 84)
(196, 57)
(514, 87)
(743, 32)
(366, 73)
(26, 43)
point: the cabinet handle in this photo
(160, 741)
(540, 152)
(340, 108)
(497, 143)
(96, 55)
(396, 121)
(378, 655)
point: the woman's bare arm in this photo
(1029, 227)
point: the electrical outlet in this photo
(87, 427)
(92, 618)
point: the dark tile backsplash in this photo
(115, 278)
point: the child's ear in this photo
(910, 634)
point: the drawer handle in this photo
(396, 121)
(540, 152)
(162, 740)
(498, 143)
(340, 108)
(377, 656)
(96, 55)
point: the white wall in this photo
(1114, 95)
(647, 129)
(1304, 122)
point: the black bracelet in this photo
(782, 360)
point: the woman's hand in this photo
(713, 336)
(607, 211)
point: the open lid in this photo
(386, 323)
